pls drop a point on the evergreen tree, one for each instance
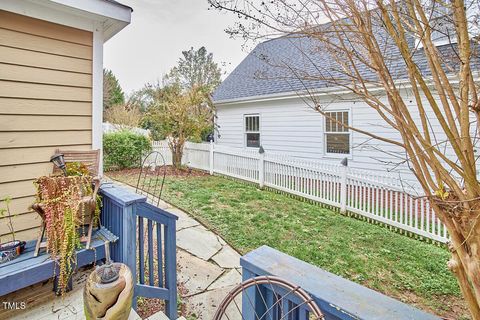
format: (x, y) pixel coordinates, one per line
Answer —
(112, 91)
(196, 69)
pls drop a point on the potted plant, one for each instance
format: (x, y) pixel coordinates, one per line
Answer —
(11, 249)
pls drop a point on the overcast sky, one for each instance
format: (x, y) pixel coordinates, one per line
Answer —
(160, 29)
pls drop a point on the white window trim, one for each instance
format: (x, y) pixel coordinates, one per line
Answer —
(350, 133)
(437, 43)
(245, 129)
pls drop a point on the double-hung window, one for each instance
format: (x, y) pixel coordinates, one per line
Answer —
(337, 136)
(252, 130)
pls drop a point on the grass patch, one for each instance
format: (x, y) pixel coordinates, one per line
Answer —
(404, 268)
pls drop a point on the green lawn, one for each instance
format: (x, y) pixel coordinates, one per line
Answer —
(407, 269)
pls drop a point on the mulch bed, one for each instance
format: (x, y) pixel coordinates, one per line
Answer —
(147, 307)
(169, 171)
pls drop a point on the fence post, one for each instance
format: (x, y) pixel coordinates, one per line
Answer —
(343, 185)
(261, 167)
(185, 154)
(211, 157)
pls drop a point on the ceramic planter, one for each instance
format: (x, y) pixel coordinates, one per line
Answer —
(109, 301)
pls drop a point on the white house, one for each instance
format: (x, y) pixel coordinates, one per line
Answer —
(262, 104)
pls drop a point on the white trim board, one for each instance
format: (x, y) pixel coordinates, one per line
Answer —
(326, 92)
(97, 92)
(76, 14)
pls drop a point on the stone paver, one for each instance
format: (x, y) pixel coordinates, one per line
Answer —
(158, 316)
(198, 241)
(204, 253)
(181, 214)
(195, 274)
(164, 205)
(208, 268)
(227, 258)
(222, 242)
(228, 279)
(186, 222)
(205, 305)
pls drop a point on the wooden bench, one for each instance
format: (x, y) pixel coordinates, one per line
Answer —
(26, 269)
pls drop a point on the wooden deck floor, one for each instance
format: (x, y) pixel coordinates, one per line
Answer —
(40, 302)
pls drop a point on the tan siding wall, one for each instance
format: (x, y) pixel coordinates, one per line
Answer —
(44, 107)
(45, 103)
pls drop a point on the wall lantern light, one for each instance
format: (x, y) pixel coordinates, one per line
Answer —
(59, 161)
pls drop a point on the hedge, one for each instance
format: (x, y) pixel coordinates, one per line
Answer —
(124, 149)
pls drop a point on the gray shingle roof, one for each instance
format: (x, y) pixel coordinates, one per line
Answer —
(281, 65)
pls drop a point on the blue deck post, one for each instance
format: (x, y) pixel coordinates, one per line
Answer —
(122, 220)
(252, 305)
(170, 268)
(129, 244)
(123, 210)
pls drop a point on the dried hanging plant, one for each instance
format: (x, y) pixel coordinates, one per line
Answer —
(61, 199)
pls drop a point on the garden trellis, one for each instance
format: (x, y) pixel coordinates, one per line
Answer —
(380, 198)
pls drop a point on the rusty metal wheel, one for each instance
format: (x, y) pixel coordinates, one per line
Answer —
(268, 298)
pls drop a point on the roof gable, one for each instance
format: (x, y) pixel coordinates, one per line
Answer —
(294, 64)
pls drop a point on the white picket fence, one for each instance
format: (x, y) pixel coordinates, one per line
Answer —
(378, 197)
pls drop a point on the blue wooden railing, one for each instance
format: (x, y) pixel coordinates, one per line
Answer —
(147, 243)
(337, 297)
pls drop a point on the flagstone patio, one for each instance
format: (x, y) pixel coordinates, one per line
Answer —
(208, 268)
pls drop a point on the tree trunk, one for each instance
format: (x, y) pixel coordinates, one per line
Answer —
(464, 231)
(177, 154)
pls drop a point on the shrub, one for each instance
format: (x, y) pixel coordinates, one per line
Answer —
(124, 115)
(124, 149)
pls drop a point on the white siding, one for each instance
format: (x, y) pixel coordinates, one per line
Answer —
(291, 127)
(286, 126)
